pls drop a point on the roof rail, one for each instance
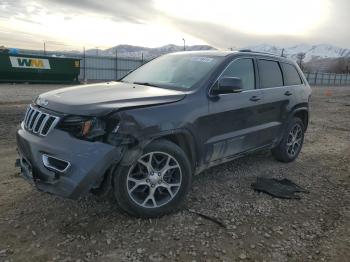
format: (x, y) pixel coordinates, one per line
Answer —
(258, 52)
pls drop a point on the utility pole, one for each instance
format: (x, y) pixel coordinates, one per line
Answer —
(44, 48)
(184, 44)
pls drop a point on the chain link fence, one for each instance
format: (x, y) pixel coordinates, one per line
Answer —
(329, 79)
(95, 68)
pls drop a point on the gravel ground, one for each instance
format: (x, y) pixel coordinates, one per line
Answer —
(36, 226)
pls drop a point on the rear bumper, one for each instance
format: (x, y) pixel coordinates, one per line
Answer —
(88, 162)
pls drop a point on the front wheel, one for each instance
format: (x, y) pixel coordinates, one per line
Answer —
(156, 183)
(291, 143)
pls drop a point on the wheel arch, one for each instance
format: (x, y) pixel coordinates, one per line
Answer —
(184, 139)
(303, 114)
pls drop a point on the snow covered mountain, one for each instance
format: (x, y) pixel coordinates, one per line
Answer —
(147, 52)
(312, 52)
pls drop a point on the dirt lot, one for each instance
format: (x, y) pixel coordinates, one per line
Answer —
(39, 227)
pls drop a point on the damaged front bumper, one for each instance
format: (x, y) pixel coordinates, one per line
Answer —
(63, 165)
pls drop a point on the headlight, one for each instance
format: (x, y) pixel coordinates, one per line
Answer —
(89, 128)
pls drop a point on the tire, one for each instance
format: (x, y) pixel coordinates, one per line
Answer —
(289, 147)
(156, 183)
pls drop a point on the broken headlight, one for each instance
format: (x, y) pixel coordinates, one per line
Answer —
(87, 128)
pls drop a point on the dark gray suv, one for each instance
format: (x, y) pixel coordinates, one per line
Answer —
(145, 136)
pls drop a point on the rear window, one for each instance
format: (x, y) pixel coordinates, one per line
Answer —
(270, 74)
(291, 76)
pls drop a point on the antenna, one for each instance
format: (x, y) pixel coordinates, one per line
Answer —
(282, 54)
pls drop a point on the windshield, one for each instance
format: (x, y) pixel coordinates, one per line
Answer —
(173, 70)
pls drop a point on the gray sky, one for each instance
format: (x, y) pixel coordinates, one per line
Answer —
(220, 23)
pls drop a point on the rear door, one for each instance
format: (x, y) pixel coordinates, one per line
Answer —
(277, 99)
(292, 80)
(232, 118)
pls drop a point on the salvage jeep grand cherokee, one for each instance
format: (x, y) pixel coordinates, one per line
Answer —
(145, 136)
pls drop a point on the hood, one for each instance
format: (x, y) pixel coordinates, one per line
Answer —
(103, 98)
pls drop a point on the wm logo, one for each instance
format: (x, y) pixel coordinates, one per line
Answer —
(26, 62)
(30, 62)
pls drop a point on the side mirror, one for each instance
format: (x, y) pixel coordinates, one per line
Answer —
(227, 85)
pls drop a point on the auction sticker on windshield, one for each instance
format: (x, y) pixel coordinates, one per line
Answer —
(202, 59)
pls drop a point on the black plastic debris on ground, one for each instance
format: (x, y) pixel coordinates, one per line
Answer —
(281, 188)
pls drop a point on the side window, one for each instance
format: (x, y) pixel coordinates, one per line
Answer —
(244, 69)
(270, 74)
(291, 75)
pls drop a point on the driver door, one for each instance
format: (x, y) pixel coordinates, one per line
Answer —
(234, 117)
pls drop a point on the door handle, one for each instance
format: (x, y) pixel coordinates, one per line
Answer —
(254, 98)
(287, 93)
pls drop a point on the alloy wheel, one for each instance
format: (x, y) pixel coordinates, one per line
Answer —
(294, 140)
(154, 180)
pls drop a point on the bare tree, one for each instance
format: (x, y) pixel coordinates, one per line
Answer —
(300, 58)
(342, 65)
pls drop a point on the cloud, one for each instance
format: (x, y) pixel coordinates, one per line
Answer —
(337, 30)
(20, 38)
(225, 37)
(134, 11)
(145, 12)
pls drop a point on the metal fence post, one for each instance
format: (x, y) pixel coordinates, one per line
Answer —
(116, 64)
(315, 78)
(84, 69)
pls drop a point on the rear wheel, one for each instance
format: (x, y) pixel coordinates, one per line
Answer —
(292, 142)
(156, 183)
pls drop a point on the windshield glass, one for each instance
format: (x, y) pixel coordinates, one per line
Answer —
(173, 70)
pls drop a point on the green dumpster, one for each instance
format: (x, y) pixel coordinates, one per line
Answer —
(38, 68)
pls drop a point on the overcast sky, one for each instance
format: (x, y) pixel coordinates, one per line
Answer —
(220, 23)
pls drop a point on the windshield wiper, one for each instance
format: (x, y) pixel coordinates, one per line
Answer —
(146, 84)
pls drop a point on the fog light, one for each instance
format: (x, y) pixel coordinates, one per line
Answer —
(56, 164)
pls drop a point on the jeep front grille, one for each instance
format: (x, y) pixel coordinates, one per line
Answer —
(39, 122)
